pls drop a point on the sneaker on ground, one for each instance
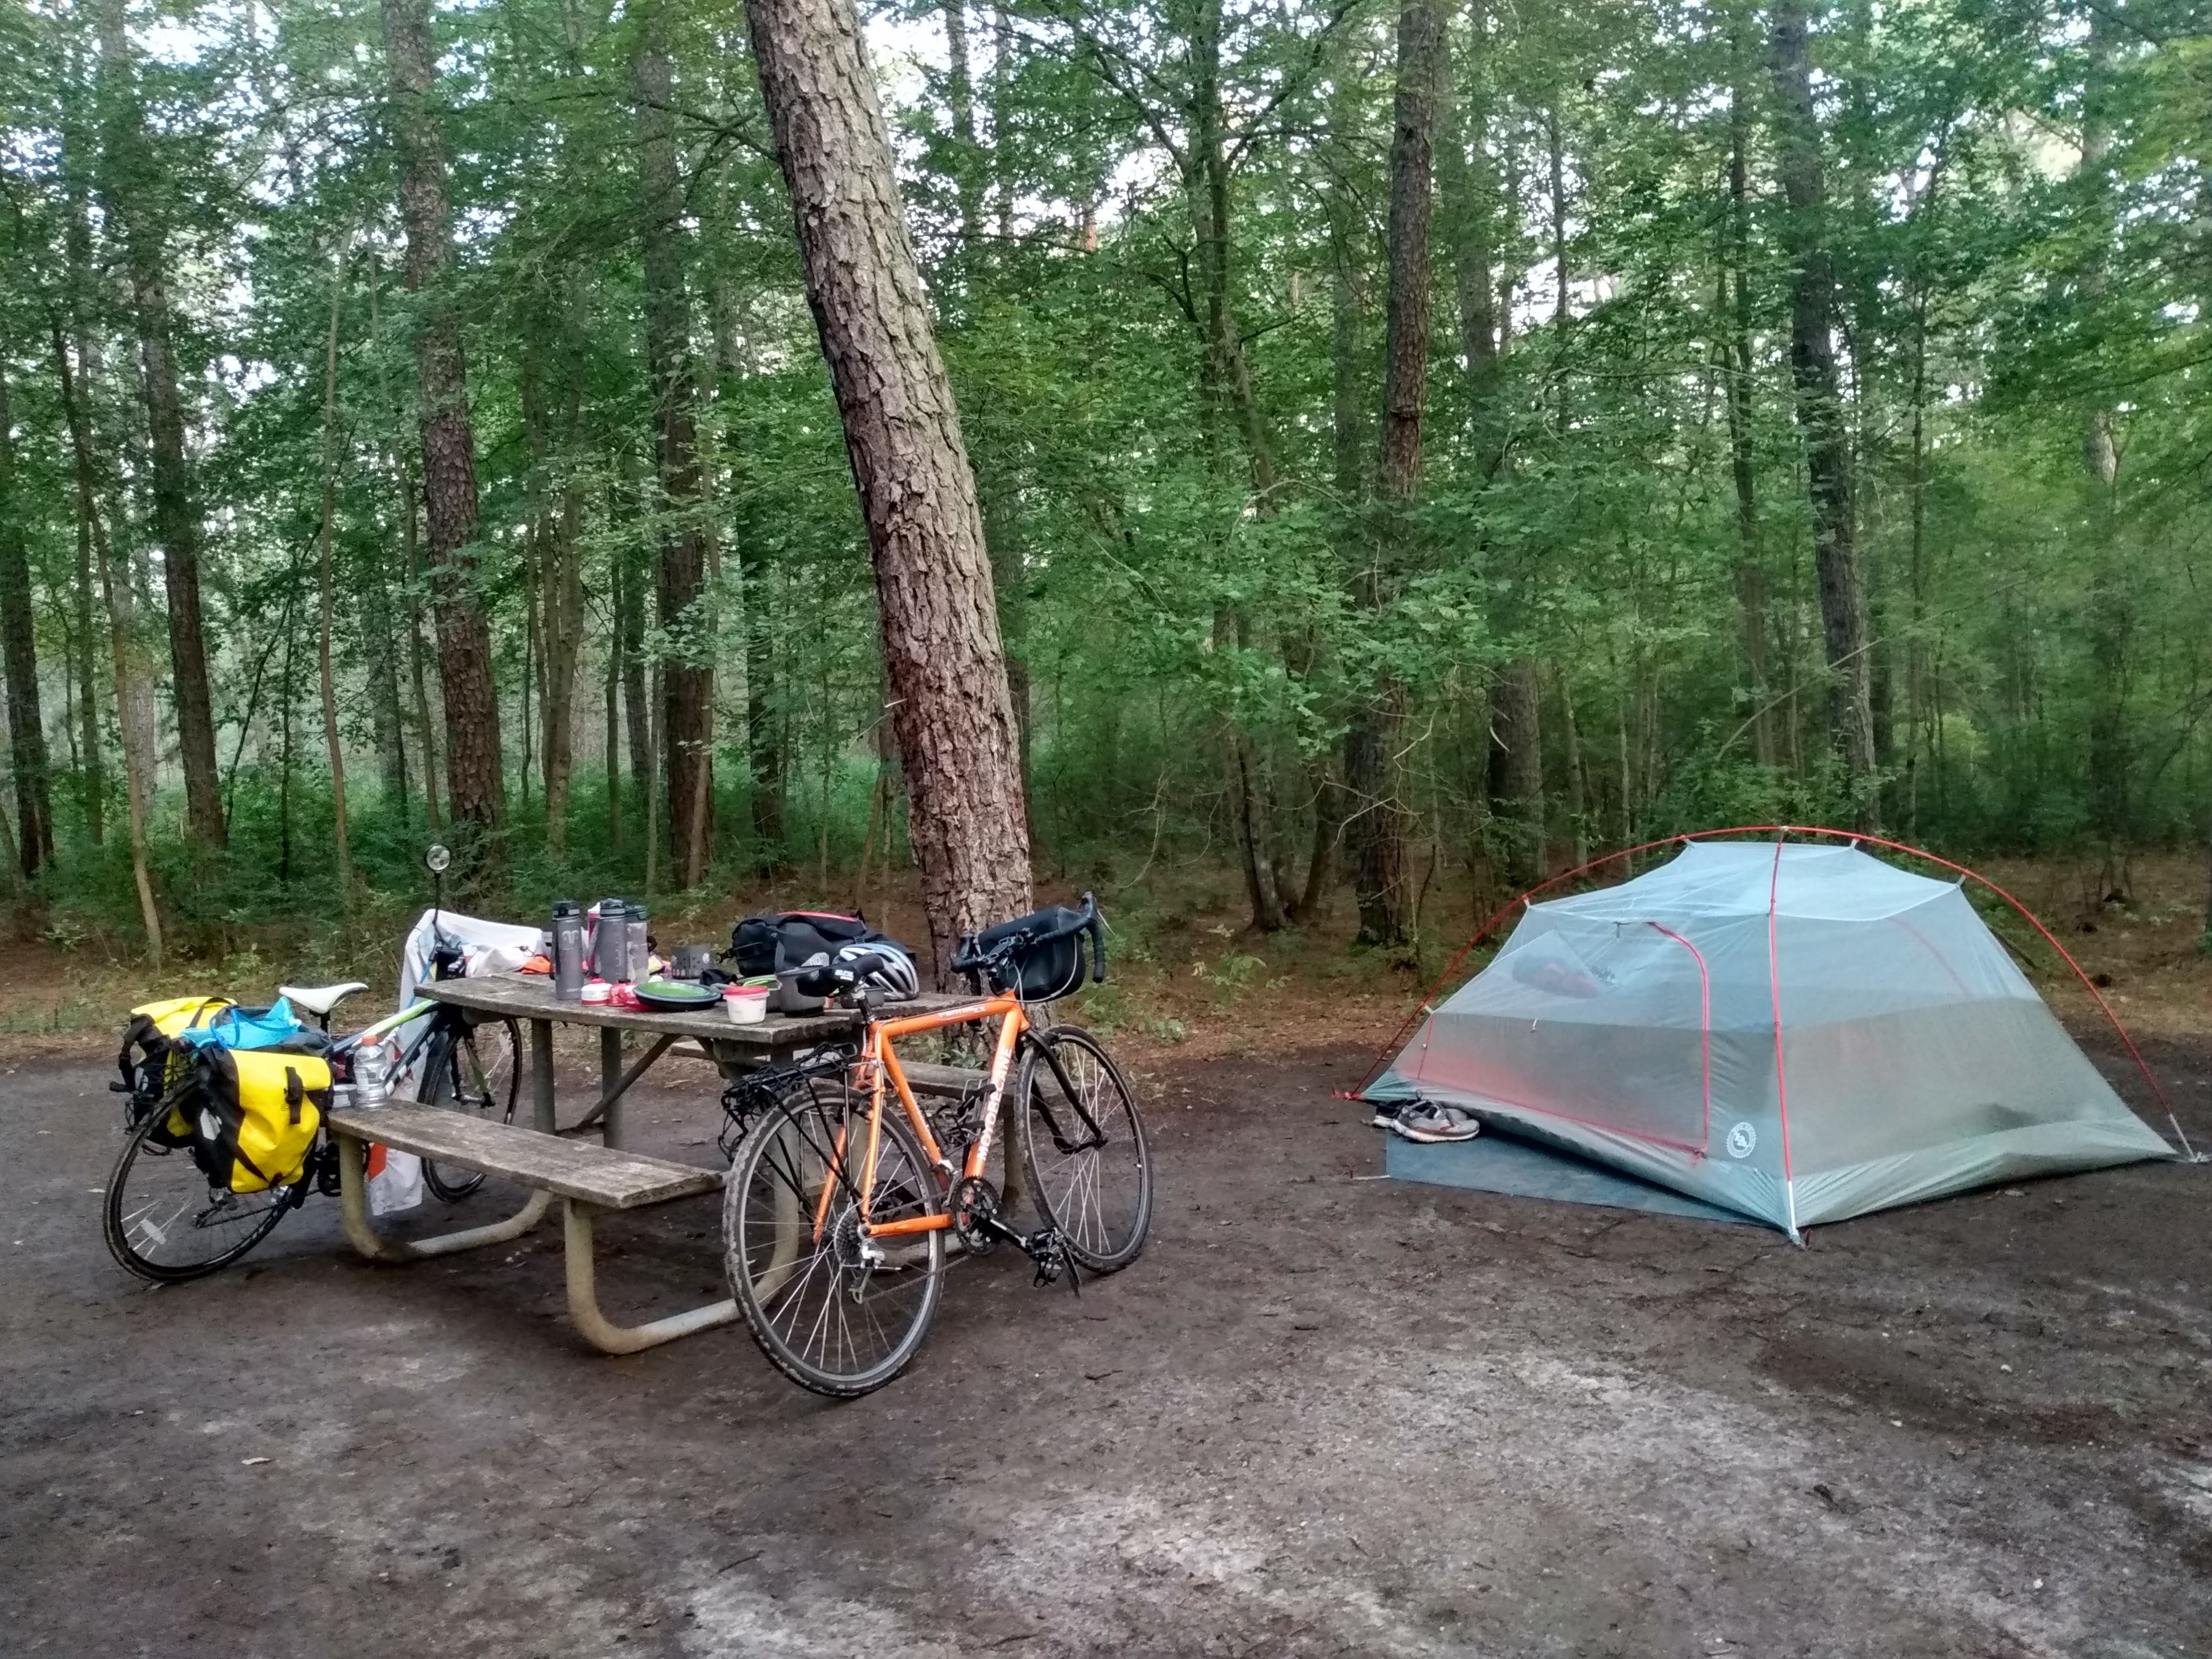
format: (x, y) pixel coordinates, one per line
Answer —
(1428, 1123)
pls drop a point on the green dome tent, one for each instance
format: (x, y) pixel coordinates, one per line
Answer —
(1797, 1033)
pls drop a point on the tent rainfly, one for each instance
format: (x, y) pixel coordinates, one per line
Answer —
(1803, 1034)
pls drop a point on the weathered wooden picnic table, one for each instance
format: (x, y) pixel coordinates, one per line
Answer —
(552, 1162)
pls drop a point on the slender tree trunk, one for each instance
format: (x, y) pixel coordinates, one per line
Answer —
(1383, 880)
(966, 157)
(449, 456)
(1002, 137)
(1733, 303)
(133, 707)
(2109, 612)
(1820, 413)
(26, 730)
(77, 241)
(128, 192)
(1464, 192)
(323, 585)
(951, 713)
(629, 598)
(680, 587)
(1516, 770)
(409, 544)
(765, 745)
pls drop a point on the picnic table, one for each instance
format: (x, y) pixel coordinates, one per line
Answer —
(552, 1161)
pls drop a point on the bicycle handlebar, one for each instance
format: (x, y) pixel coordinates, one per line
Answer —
(967, 957)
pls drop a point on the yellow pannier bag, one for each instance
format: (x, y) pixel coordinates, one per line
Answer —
(267, 1105)
(153, 1062)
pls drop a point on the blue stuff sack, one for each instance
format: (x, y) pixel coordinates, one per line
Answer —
(247, 1029)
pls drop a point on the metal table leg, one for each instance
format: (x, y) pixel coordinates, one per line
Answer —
(361, 1231)
(595, 1326)
(611, 1070)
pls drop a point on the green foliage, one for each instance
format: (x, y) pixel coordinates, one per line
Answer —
(1165, 615)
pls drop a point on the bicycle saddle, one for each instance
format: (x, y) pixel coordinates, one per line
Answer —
(319, 1000)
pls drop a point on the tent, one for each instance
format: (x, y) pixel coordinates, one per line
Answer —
(1798, 1033)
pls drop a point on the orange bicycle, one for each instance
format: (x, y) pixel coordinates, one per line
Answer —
(835, 1219)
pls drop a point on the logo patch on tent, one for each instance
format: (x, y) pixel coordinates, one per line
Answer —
(1741, 1139)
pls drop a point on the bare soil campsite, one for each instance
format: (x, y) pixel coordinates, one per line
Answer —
(1322, 1413)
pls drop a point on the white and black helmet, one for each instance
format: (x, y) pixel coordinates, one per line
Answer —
(883, 966)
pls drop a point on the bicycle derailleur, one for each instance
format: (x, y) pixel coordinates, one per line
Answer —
(979, 1224)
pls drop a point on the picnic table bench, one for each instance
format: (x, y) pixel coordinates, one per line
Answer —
(551, 1162)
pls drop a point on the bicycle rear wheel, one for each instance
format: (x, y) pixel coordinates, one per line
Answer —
(165, 1221)
(833, 1311)
(1091, 1173)
(478, 1070)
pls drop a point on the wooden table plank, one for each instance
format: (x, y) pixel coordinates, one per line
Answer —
(612, 1179)
(530, 996)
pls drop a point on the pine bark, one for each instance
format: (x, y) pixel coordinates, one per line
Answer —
(1382, 876)
(475, 795)
(680, 578)
(951, 713)
(1820, 417)
(26, 731)
(128, 196)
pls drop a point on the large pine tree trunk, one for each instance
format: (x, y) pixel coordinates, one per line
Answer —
(1821, 411)
(128, 198)
(951, 713)
(687, 717)
(474, 793)
(26, 731)
(1383, 878)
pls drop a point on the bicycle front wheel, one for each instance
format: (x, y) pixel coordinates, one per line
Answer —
(166, 1222)
(1091, 1173)
(478, 1070)
(834, 1310)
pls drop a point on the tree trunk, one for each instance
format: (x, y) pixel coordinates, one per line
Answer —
(679, 586)
(410, 542)
(1464, 190)
(474, 790)
(1383, 880)
(26, 730)
(1820, 413)
(2109, 612)
(128, 199)
(1516, 770)
(765, 726)
(77, 244)
(637, 715)
(967, 157)
(133, 707)
(330, 744)
(951, 709)
(1733, 303)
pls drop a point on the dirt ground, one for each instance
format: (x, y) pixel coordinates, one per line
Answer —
(1322, 1414)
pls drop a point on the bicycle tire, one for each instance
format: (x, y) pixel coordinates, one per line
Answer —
(134, 1234)
(781, 1270)
(1099, 1196)
(458, 1070)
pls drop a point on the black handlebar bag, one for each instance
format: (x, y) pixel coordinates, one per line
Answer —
(1047, 970)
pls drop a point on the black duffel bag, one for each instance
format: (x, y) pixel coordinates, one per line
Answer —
(779, 941)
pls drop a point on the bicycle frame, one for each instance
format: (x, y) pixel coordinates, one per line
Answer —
(881, 1059)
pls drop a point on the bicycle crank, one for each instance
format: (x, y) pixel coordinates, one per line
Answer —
(977, 1224)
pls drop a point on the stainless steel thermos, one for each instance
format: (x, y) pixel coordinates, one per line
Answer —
(567, 932)
(641, 956)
